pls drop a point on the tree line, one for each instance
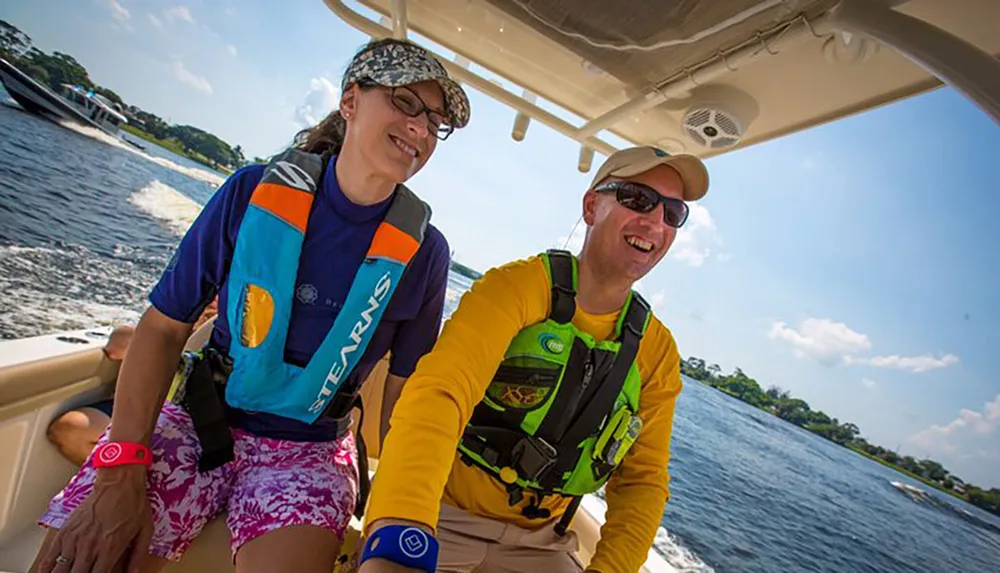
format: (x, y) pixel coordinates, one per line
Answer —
(55, 69)
(796, 411)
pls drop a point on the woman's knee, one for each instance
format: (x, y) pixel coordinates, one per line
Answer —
(76, 432)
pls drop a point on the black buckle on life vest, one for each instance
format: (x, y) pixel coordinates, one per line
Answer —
(564, 290)
(532, 457)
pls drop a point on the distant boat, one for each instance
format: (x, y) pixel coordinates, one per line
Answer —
(914, 493)
(76, 104)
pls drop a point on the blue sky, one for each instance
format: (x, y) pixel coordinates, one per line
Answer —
(851, 264)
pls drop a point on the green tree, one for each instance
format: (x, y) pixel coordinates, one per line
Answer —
(240, 159)
(932, 470)
(793, 410)
(62, 69)
(777, 393)
(106, 92)
(13, 42)
(694, 367)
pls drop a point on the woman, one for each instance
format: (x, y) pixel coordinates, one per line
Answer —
(305, 256)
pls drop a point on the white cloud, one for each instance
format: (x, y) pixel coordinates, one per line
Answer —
(992, 410)
(724, 257)
(232, 50)
(868, 383)
(694, 239)
(189, 79)
(812, 161)
(156, 22)
(915, 364)
(657, 298)
(179, 13)
(318, 102)
(120, 14)
(830, 342)
(821, 339)
(965, 427)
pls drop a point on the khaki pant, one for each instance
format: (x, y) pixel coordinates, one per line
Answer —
(472, 544)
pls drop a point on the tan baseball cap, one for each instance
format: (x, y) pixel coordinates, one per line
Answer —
(635, 160)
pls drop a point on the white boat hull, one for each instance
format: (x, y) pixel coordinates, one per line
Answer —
(44, 376)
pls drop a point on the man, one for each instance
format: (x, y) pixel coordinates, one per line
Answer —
(551, 378)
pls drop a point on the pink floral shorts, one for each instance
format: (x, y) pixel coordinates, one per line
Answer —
(269, 485)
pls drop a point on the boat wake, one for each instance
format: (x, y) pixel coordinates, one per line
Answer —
(168, 205)
(925, 497)
(669, 547)
(69, 287)
(202, 175)
(679, 557)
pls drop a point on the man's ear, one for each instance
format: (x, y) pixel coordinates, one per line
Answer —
(589, 207)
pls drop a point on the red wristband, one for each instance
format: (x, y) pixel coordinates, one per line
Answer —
(121, 453)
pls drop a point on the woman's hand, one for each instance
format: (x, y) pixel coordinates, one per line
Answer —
(115, 520)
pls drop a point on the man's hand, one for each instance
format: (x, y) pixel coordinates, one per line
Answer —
(376, 565)
(384, 566)
(118, 343)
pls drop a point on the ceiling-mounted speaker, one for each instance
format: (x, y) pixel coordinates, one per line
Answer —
(713, 126)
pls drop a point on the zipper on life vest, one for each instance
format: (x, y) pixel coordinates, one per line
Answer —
(527, 375)
(573, 406)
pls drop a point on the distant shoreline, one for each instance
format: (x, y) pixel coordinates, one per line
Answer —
(174, 148)
(909, 474)
(465, 271)
(781, 404)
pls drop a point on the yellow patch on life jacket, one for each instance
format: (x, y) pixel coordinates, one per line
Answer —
(258, 312)
(518, 396)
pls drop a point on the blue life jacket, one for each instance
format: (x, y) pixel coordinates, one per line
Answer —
(262, 284)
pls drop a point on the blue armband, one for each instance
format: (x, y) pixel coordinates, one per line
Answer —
(403, 544)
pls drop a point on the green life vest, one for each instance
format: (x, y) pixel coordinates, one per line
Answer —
(560, 412)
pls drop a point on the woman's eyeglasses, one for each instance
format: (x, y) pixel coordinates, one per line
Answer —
(410, 103)
(643, 199)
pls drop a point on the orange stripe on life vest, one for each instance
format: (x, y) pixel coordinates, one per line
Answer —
(392, 243)
(290, 205)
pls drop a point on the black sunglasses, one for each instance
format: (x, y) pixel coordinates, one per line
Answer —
(410, 103)
(643, 199)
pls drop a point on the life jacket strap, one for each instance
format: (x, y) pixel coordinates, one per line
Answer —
(364, 482)
(567, 517)
(204, 404)
(563, 288)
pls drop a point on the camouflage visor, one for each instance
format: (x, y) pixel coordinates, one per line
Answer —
(404, 63)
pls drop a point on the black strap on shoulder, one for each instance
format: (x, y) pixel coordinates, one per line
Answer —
(563, 291)
(635, 316)
(364, 483)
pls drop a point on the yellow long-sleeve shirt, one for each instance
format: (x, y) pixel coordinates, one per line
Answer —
(419, 466)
